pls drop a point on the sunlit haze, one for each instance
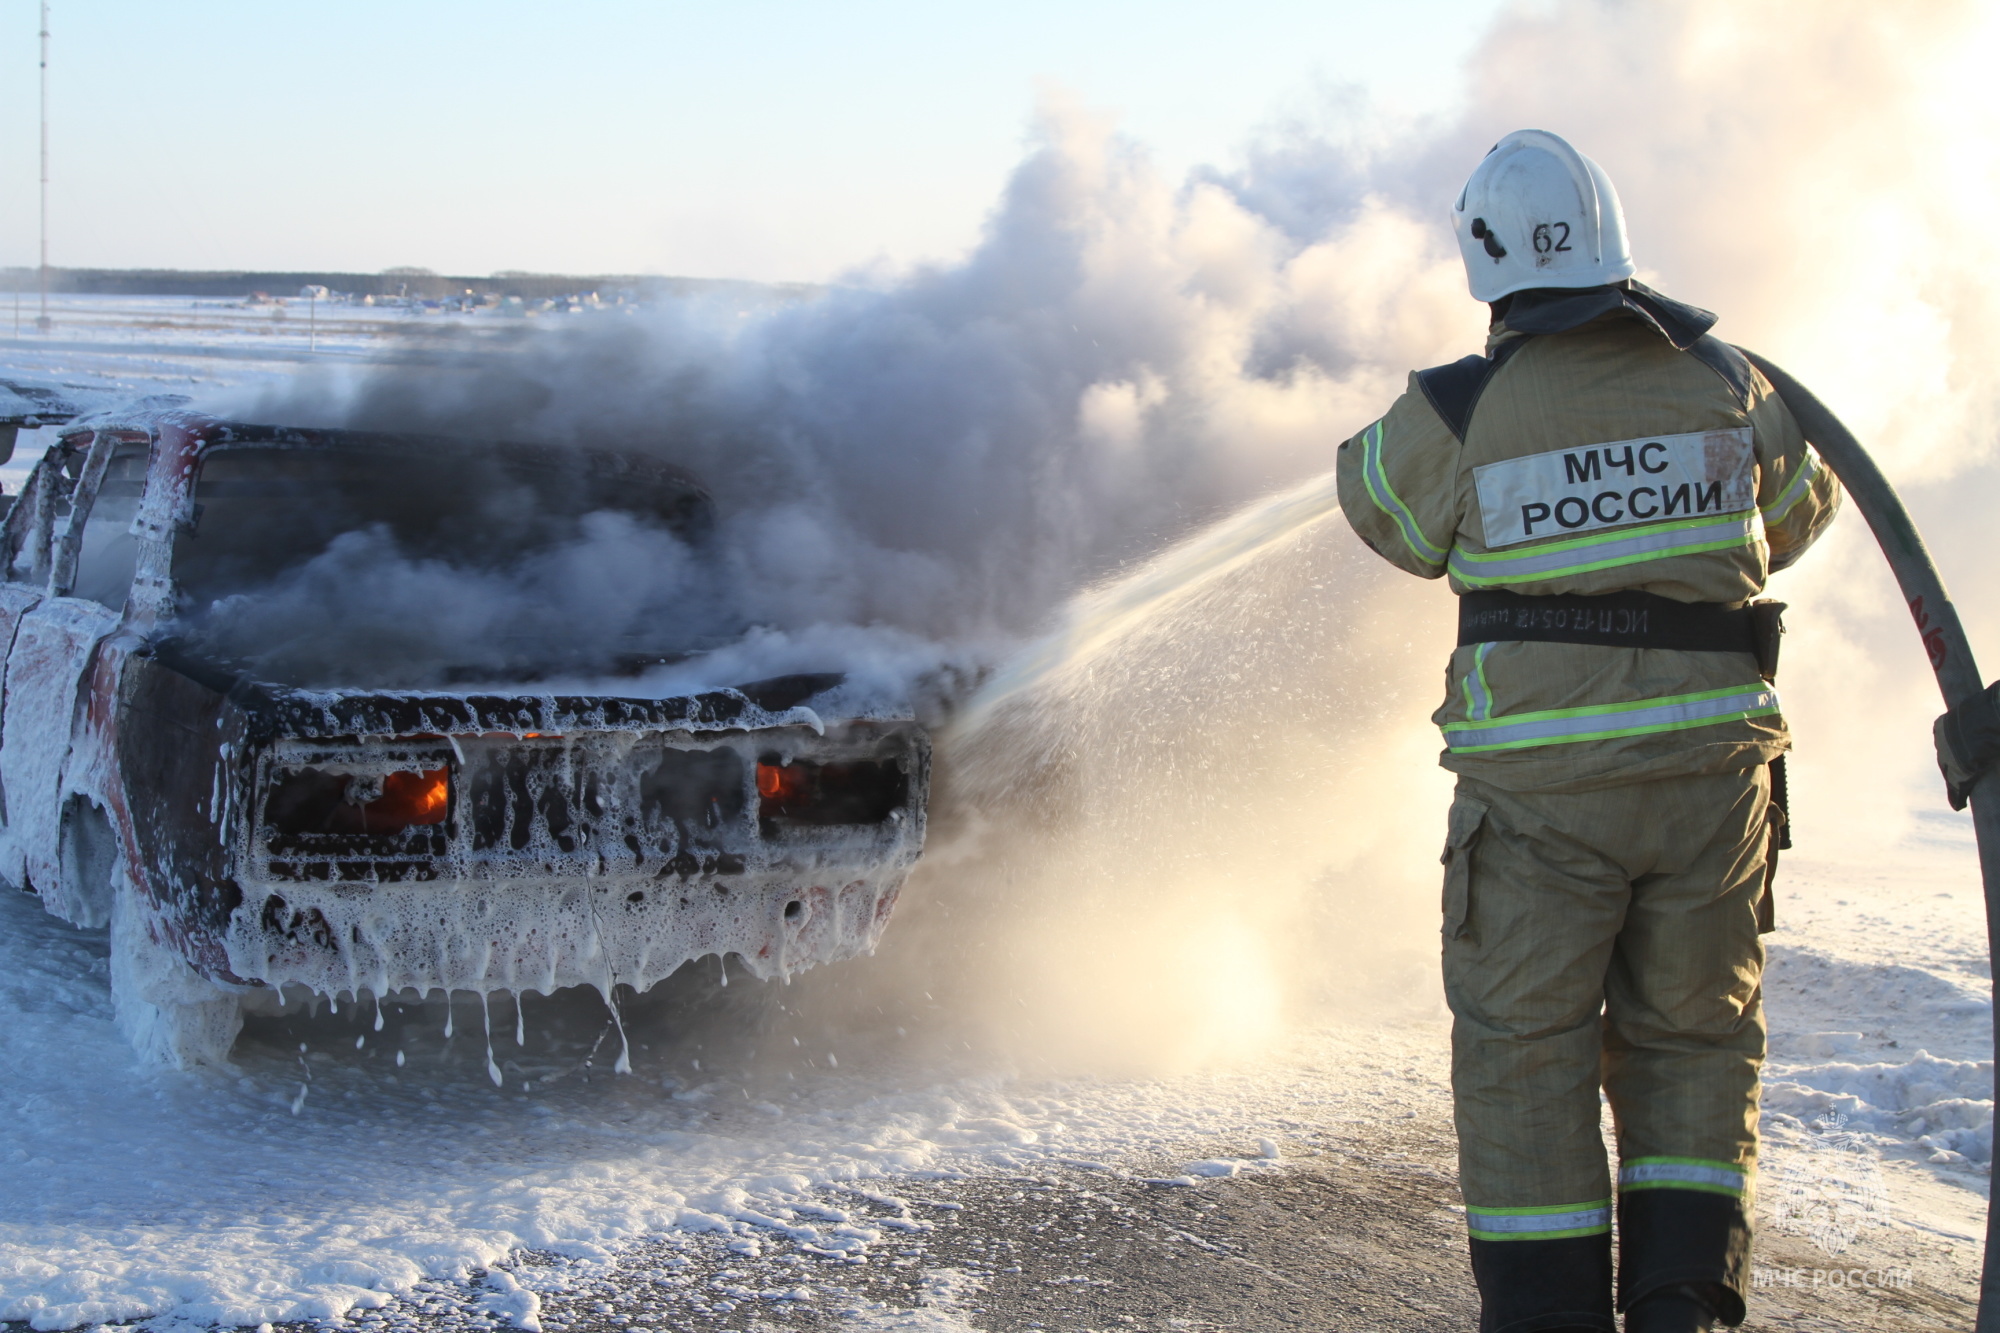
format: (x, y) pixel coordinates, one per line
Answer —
(772, 139)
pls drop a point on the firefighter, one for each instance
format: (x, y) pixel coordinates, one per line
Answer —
(1606, 489)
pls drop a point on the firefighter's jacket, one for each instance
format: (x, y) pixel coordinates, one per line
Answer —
(1603, 444)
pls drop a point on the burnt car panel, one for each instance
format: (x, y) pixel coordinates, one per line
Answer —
(259, 834)
(48, 664)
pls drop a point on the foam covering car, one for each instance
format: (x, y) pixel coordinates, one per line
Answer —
(244, 838)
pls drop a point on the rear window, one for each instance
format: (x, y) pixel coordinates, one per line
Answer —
(260, 512)
(410, 564)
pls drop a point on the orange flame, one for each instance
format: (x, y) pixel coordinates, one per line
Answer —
(411, 798)
(778, 783)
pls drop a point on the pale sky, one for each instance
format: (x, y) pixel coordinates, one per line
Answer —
(765, 139)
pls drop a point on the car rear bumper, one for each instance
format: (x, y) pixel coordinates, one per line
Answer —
(543, 933)
(608, 854)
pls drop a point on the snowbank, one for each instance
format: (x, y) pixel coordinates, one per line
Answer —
(1944, 1105)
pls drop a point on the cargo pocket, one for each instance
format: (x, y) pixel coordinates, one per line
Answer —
(1467, 818)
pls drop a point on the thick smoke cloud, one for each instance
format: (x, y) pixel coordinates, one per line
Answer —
(1216, 809)
(953, 452)
(404, 621)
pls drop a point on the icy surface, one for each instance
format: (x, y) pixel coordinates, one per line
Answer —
(1883, 978)
(1878, 1094)
(319, 1181)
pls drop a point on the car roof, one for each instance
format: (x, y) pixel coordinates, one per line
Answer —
(208, 434)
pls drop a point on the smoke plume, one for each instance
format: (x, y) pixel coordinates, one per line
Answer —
(1211, 818)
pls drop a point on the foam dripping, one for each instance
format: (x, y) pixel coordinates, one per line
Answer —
(486, 1011)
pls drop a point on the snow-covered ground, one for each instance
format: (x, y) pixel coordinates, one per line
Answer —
(1878, 1096)
(323, 1179)
(335, 1171)
(123, 347)
(155, 342)
(319, 1180)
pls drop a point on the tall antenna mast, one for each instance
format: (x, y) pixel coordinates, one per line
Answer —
(43, 322)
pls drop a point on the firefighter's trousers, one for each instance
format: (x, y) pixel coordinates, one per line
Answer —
(1606, 938)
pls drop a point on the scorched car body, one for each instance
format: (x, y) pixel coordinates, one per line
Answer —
(240, 835)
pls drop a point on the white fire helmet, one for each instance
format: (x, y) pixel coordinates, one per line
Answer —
(1537, 213)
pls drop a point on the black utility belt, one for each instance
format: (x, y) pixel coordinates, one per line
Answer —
(1625, 620)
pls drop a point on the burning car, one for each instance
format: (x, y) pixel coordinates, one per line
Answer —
(245, 826)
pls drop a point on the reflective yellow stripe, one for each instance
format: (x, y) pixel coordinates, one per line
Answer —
(1682, 1173)
(1558, 726)
(1478, 694)
(1376, 476)
(1556, 1223)
(1629, 546)
(1795, 491)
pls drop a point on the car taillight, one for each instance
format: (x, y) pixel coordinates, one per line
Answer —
(783, 784)
(804, 792)
(310, 800)
(410, 798)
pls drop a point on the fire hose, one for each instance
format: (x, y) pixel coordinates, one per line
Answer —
(1968, 735)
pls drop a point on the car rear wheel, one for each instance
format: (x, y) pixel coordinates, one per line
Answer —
(171, 1015)
(88, 859)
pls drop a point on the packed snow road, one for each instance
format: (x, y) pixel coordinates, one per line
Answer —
(350, 1177)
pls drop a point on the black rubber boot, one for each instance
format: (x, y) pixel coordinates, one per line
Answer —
(1544, 1286)
(1683, 1255)
(1676, 1309)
